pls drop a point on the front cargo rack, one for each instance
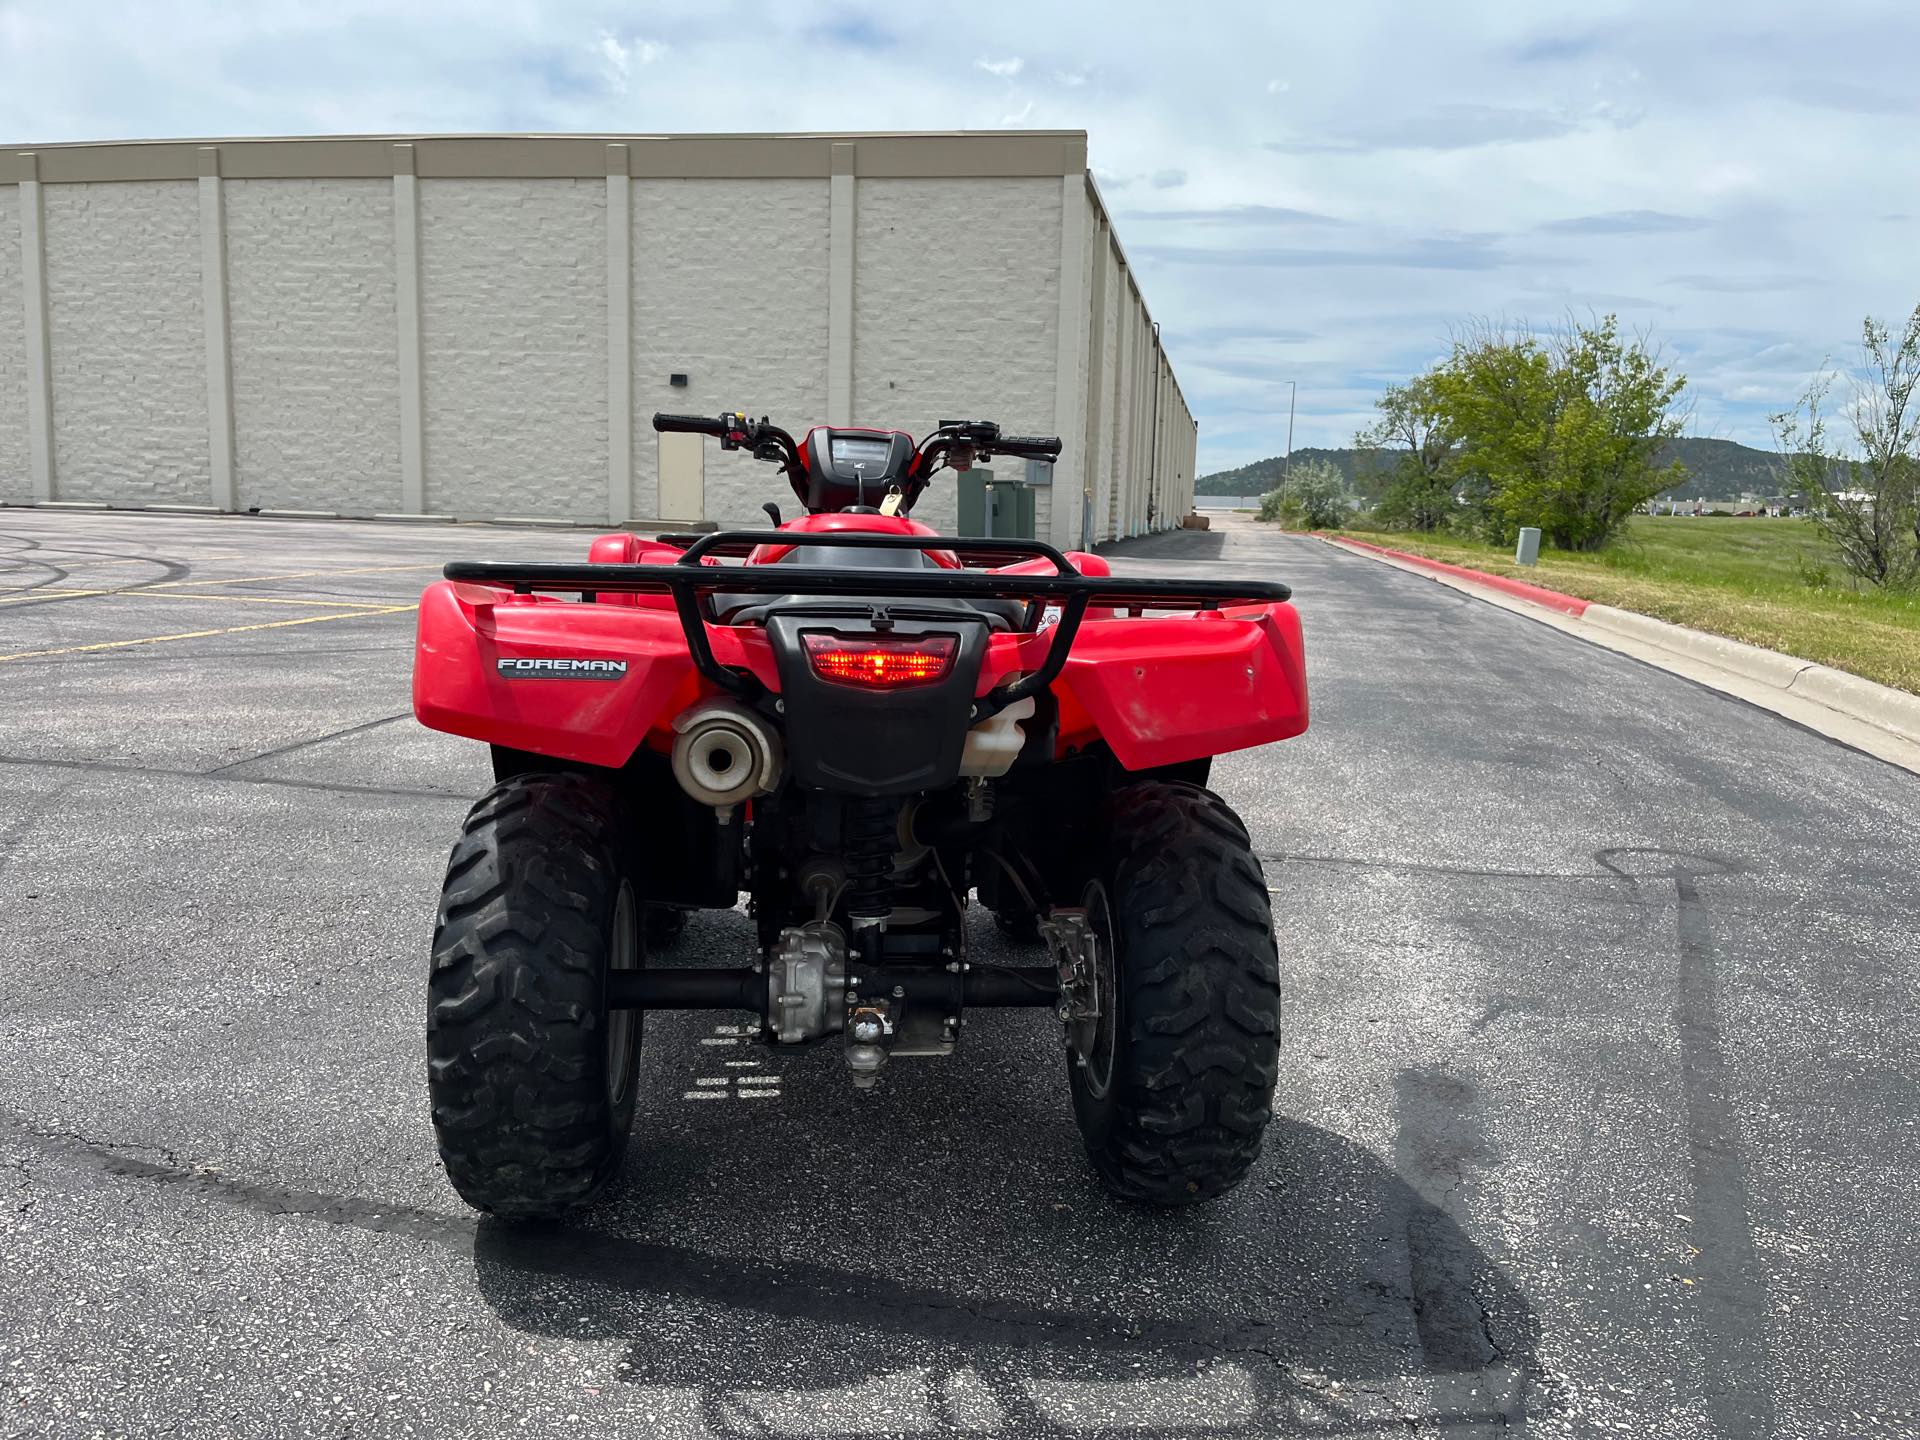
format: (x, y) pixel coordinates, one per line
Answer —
(691, 580)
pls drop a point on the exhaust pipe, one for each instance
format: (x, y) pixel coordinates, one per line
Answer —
(725, 753)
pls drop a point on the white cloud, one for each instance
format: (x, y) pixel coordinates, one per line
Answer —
(620, 56)
(1721, 171)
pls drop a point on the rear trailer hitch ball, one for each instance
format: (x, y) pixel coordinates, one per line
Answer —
(868, 1030)
(725, 753)
(865, 1062)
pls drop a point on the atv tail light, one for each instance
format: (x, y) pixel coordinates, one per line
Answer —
(879, 664)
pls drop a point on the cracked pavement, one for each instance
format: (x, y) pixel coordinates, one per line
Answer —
(1598, 1110)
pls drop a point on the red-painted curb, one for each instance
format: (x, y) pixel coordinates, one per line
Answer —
(1552, 599)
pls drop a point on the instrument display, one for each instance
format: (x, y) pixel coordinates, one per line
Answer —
(860, 450)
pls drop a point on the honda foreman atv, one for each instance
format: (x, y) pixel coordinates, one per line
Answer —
(859, 723)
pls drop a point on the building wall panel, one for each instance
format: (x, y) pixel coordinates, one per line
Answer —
(955, 310)
(513, 313)
(1103, 458)
(310, 284)
(16, 483)
(127, 342)
(730, 290)
(1123, 409)
(966, 268)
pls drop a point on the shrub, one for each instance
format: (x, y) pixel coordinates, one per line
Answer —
(1315, 498)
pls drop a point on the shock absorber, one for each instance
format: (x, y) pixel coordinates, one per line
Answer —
(870, 837)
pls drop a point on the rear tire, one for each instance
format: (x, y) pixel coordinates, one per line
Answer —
(531, 1076)
(1175, 1102)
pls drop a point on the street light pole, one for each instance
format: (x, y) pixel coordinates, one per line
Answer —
(1286, 468)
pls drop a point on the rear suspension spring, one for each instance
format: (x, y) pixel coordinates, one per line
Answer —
(871, 836)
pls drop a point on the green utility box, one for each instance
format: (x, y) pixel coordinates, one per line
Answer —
(1001, 508)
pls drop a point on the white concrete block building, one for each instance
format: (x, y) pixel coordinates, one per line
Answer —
(480, 327)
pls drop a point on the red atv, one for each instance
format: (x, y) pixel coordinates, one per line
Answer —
(858, 726)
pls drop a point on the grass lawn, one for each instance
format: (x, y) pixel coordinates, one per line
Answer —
(1769, 582)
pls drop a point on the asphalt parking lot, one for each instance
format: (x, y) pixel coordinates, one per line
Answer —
(1598, 1115)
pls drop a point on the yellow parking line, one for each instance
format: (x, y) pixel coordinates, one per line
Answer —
(48, 592)
(204, 634)
(271, 600)
(146, 592)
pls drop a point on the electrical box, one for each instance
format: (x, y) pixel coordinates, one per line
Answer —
(997, 508)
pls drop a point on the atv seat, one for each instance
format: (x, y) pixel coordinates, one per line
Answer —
(734, 609)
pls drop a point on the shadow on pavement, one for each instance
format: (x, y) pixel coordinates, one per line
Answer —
(1167, 545)
(1352, 1306)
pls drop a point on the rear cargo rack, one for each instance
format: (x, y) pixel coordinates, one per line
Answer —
(974, 552)
(691, 579)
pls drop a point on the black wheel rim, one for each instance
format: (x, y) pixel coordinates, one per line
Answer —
(623, 1026)
(1097, 1058)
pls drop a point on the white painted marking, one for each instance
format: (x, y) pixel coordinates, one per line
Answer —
(728, 1040)
(767, 1093)
(706, 1095)
(711, 1080)
(743, 1062)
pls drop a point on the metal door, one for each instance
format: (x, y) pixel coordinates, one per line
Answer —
(683, 477)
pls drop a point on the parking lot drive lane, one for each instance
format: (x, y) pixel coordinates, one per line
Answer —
(1597, 1111)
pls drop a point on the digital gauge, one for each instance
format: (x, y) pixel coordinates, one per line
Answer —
(854, 450)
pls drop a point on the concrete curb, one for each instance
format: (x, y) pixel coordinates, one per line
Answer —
(1803, 690)
(1769, 667)
(1519, 589)
(1876, 704)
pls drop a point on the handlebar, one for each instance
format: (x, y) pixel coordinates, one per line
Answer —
(983, 437)
(689, 424)
(1039, 447)
(956, 442)
(735, 431)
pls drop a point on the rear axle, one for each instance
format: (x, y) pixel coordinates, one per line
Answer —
(740, 988)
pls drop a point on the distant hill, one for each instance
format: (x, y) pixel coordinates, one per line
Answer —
(1263, 475)
(1716, 470)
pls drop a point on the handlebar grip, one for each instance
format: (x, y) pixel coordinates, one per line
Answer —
(1041, 447)
(688, 424)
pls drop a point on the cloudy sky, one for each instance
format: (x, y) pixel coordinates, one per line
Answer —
(1310, 194)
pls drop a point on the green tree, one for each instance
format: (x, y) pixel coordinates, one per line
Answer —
(1867, 502)
(1559, 432)
(1314, 498)
(1411, 446)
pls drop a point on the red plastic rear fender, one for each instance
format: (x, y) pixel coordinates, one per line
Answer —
(1164, 689)
(458, 687)
(1158, 690)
